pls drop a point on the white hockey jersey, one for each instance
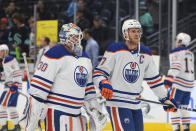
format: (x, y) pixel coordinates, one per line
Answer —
(182, 68)
(64, 81)
(126, 70)
(12, 72)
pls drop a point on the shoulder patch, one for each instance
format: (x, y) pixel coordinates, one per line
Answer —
(8, 59)
(178, 49)
(57, 52)
(145, 49)
(117, 47)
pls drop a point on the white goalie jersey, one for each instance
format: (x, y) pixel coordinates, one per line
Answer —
(182, 68)
(126, 70)
(64, 85)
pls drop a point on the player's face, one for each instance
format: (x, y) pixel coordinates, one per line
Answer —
(2, 54)
(134, 35)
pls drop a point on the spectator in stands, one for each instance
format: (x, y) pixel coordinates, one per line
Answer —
(145, 19)
(4, 31)
(18, 36)
(43, 13)
(81, 21)
(92, 47)
(11, 8)
(44, 48)
(99, 32)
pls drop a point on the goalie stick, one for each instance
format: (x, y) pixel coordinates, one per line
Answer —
(155, 102)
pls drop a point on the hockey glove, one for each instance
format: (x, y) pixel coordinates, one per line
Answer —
(168, 81)
(106, 89)
(171, 106)
(14, 88)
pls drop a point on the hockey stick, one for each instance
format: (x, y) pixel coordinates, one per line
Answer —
(155, 102)
(26, 66)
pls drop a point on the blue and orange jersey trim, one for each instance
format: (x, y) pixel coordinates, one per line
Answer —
(8, 59)
(59, 51)
(116, 47)
(178, 49)
(154, 82)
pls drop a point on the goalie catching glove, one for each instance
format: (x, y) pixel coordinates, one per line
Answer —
(97, 119)
(32, 113)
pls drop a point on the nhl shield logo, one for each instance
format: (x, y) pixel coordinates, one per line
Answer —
(131, 72)
(80, 76)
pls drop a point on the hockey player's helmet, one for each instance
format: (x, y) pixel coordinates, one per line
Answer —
(71, 34)
(184, 38)
(128, 24)
(4, 47)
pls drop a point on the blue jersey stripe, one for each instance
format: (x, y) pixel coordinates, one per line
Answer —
(160, 84)
(65, 105)
(128, 93)
(175, 68)
(41, 78)
(102, 71)
(124, 101)
(184, 79)
(152, 78)
(183, 85)
(66, 96)
(90, 92)
(89, 84)
(40, 88)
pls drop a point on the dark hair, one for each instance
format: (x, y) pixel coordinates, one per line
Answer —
(18, 17)
(88, 31)
(47, 40)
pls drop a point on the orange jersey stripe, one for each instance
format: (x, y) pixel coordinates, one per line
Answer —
(117, 128)
(41, 83)
(90, 88)
(70, 124)
(190, 84)
(81, 122)
(59, 99)
(154, 81)
(7, 96)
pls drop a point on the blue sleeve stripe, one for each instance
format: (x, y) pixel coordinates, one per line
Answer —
(156, 85)
(176, 64)
(90, 92)
(124, 101)
(40, 88)
(183, 85)
(175, 118)
(89, 84)
(66, 96)
(41, 78)
(98, 76)
(128, 93)
(65, 105)
(175, 69)
(17, 76)
(184, 79)
(186, 117)
(102, 71)
(152, 77)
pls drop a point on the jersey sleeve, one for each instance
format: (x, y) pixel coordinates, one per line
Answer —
(154, 79)
(90, 88)
(44, 76)
(104, 69)
(175, 64)
(16, 73)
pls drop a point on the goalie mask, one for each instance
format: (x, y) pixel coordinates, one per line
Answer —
(71, 35)
(128, 24)
(183, 39)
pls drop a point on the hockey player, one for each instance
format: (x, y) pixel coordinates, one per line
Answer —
(61, 85)
(180, 80)
(13, 83)
(119, 77)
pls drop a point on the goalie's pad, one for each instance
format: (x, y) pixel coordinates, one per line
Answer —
(32, 113)
(97, 117)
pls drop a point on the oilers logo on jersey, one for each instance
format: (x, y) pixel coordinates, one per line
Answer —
(131, 72)
(80, 76)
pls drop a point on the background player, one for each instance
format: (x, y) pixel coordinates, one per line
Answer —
(119, 76)
(180, 80)
(62, 84)
(13, 82)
